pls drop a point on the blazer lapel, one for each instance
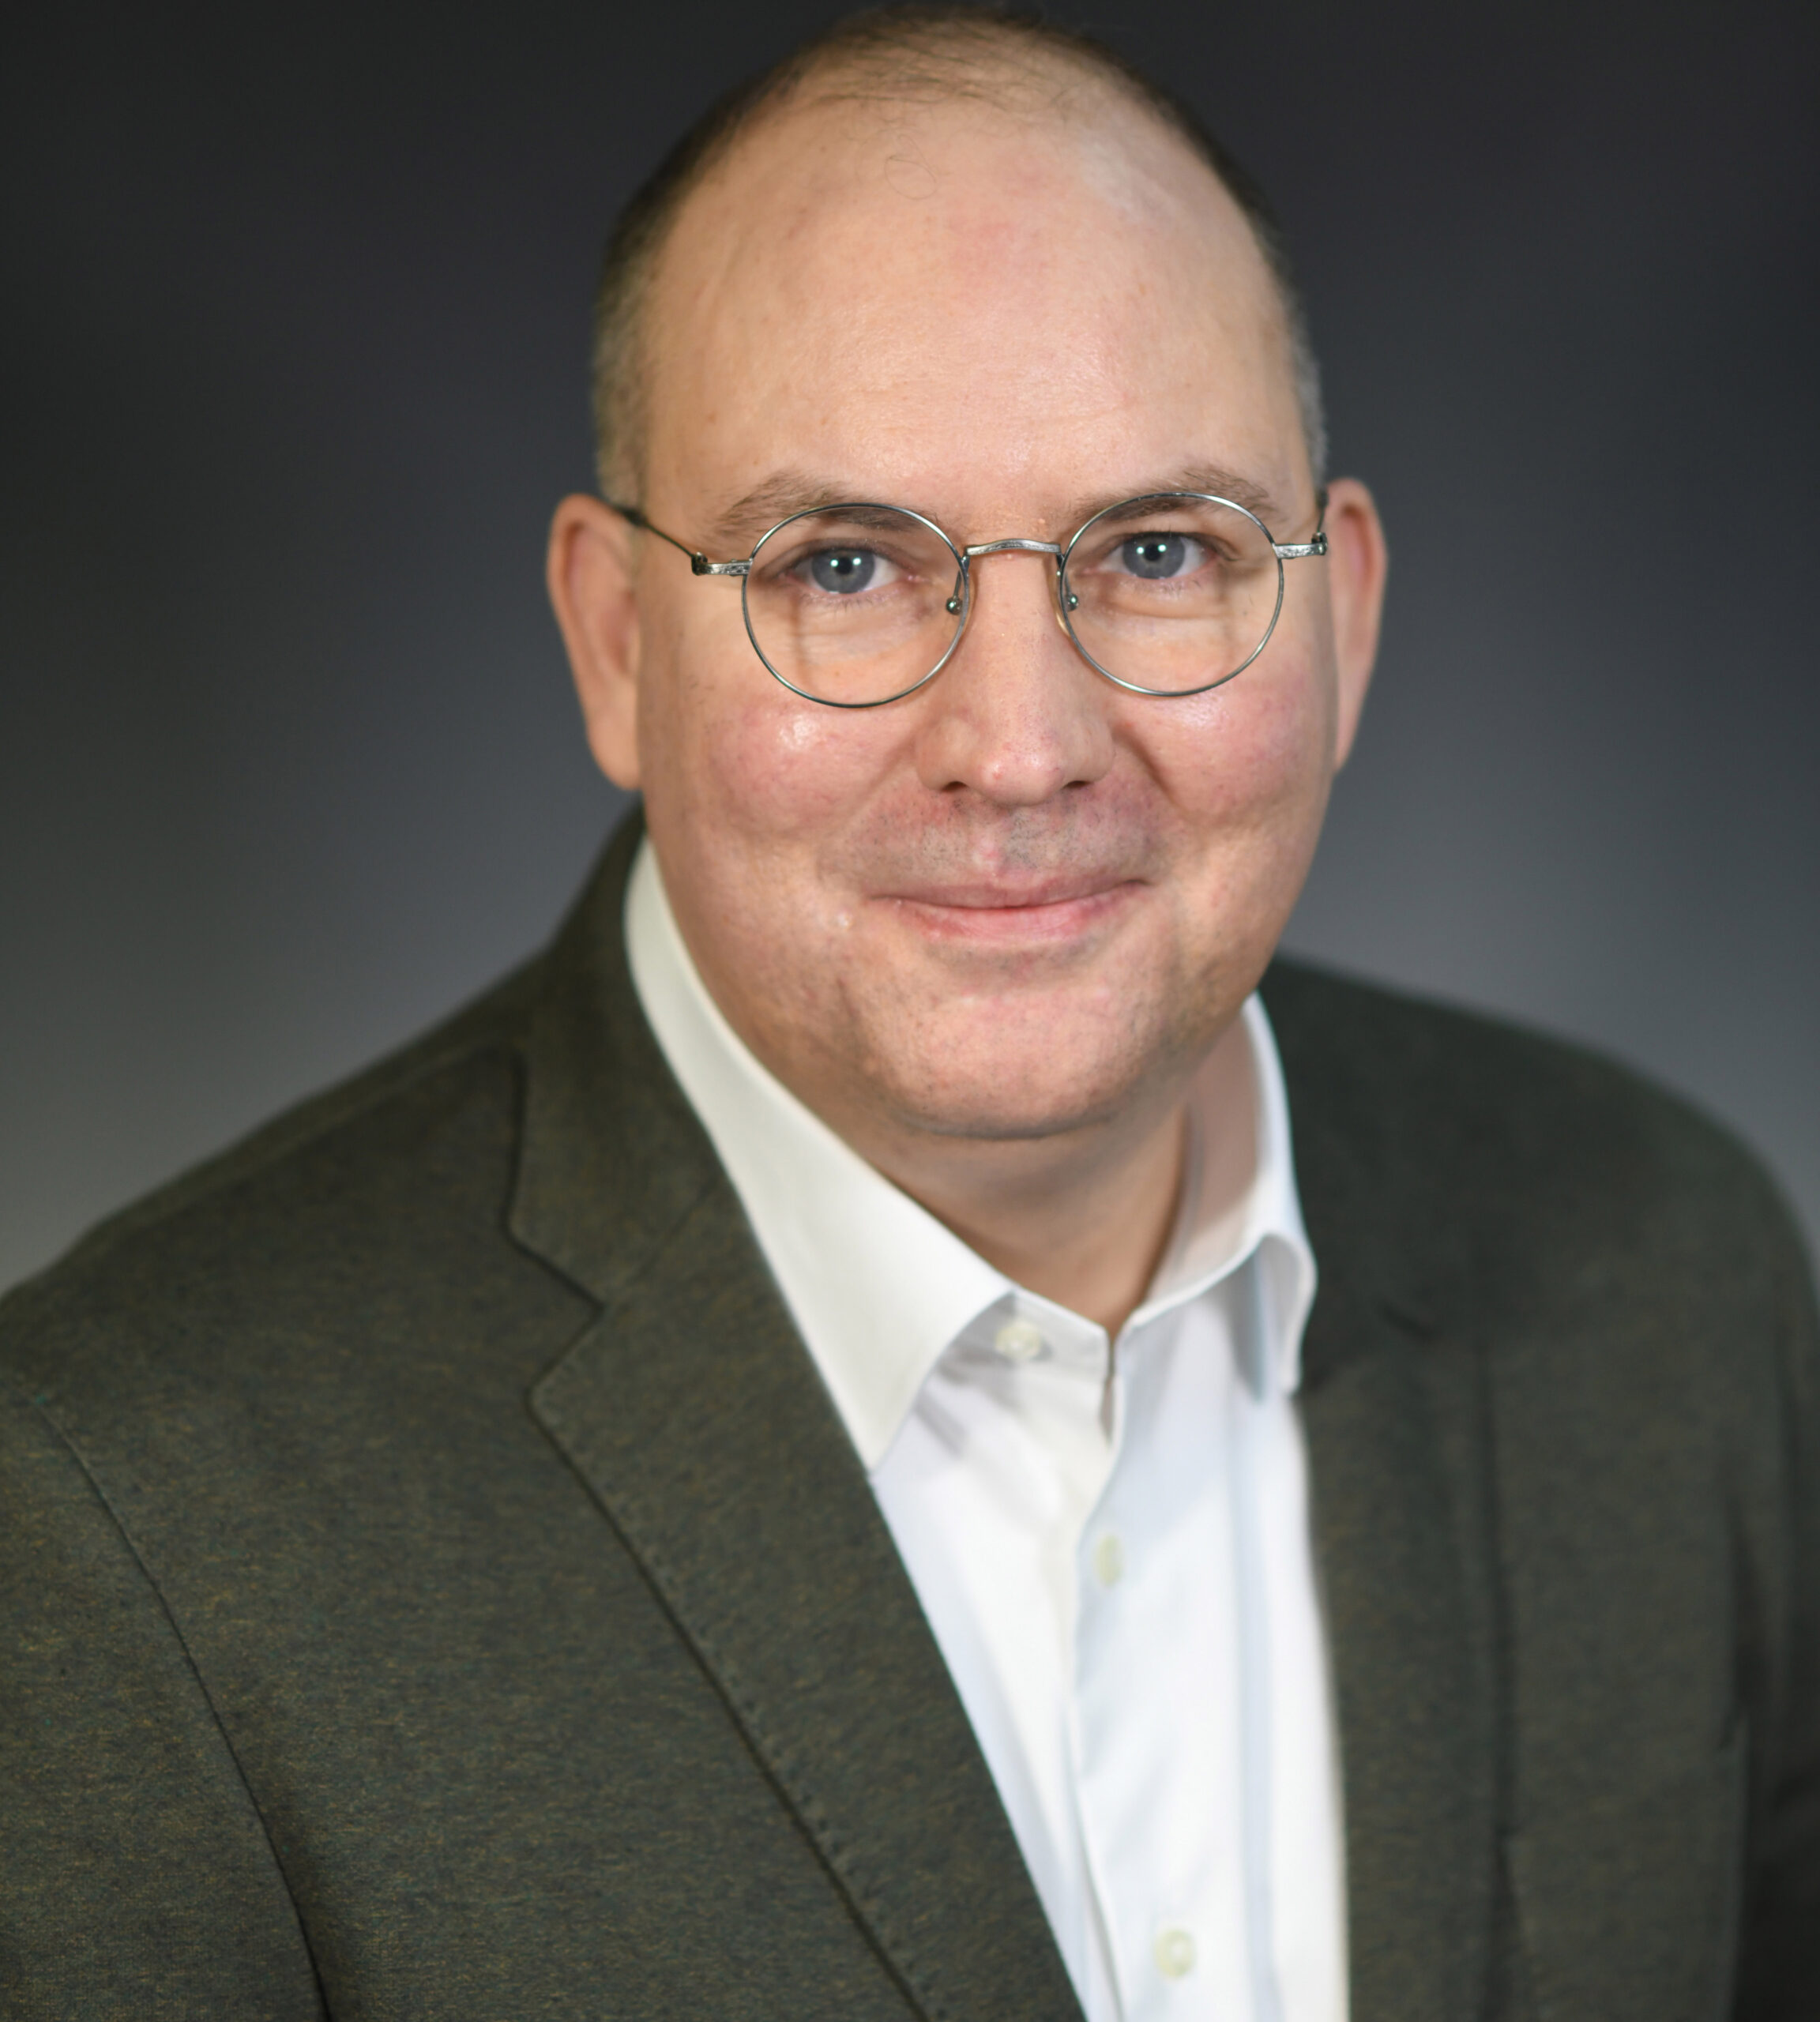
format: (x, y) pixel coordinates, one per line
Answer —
(695, 1414)
(1395, 1409)
(1403, 1540)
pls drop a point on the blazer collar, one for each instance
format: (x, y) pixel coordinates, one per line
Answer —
(691, 1410)
(611, 1159)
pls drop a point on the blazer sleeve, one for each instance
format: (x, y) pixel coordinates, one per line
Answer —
(1779, 1979)
(136, 1878)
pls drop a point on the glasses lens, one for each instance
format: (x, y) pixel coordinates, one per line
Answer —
(854, 605)
(1172, 594)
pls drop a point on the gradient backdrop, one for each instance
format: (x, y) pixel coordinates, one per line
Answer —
(294, 371)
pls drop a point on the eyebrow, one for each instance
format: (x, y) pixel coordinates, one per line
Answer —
(1215, 479)
(787, 492)
(777, 498)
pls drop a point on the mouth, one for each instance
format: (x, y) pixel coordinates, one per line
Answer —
(994, 913)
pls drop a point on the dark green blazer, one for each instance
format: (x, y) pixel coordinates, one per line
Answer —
(437, 1585)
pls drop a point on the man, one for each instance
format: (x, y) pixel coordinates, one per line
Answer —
(791, 1461)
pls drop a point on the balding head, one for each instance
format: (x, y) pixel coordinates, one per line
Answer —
(996, 288)
(887, 63)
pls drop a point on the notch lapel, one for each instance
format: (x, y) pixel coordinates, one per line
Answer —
(693, 1413)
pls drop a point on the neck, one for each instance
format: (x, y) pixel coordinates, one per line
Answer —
(1084, 1222)
(1082, 1217)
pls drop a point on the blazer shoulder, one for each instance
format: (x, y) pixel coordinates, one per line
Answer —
(1490, 1122)
(361, 1181)
(490, 1022)
(382, 1207)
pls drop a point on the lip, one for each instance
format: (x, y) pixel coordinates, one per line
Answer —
(1049, 910)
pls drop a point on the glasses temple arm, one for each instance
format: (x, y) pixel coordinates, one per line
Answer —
(1299, 551)
(698, 562)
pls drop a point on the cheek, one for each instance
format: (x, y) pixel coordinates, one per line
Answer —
(784, 767)
(727, 748)
(1252, 753)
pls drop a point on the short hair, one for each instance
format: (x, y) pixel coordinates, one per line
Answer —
(924, 51)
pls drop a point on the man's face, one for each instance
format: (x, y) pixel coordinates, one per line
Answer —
(1020, 901)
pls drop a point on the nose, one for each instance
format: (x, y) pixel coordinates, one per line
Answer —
(1017, 716)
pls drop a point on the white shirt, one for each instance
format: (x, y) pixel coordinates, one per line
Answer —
(1109, 1540)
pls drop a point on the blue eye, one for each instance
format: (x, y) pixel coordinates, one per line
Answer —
(1154, 556)
(843, 570)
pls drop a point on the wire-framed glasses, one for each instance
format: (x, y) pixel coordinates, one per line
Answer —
(857, 605)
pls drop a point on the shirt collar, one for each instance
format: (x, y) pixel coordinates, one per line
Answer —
(878, 1287)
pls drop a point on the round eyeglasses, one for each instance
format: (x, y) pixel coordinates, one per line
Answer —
(856, 606)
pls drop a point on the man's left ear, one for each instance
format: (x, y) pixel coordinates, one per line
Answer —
(589, 572)
(1358, 561)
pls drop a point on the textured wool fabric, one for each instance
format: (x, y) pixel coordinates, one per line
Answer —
(436, 1584)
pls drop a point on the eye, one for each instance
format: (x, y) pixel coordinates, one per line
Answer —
(1157, 556)
(843, 571)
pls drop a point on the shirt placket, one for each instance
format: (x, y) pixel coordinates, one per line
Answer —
(1164, 1771)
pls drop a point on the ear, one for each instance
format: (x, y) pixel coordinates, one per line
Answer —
(593, 588)
(1358, 561)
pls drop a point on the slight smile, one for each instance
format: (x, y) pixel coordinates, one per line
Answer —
(1057, 910)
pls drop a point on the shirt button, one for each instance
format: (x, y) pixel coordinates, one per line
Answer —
(1018, 1341)
(1109, 1559)
(1174, 1952)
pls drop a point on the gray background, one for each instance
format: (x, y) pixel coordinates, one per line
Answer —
(293, 372)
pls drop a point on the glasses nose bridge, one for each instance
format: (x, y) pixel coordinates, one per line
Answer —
(1015, 545)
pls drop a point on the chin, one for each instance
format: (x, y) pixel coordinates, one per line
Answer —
(1067, 1047)
(1013, 1092)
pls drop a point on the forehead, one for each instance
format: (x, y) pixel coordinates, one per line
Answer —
(966, 302)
